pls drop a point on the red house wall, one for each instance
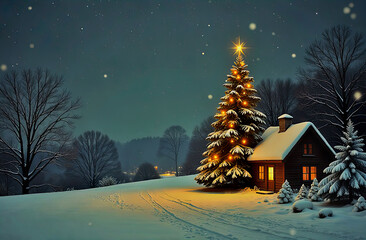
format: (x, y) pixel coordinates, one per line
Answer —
(279, 174)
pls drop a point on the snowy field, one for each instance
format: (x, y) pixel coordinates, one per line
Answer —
(170, 208)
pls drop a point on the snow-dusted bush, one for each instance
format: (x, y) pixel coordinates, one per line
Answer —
(347, 174)
(325, 212)
(285, 194)
(300, 205)
(313, 192)
(360, 205)
(303, 193)
(107, 181)
(70, 189)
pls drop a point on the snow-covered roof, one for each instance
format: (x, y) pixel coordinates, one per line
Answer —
(276, 145)
(285, 116)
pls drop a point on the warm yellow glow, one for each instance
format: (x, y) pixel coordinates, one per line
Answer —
(242, 64)
(249, 86)
(245, 103)
(230, 157)
(223, 112)
(238, 77)
(239, 47)
(216, 157)
(270, 173)
(156, 167)
(232, 140)
(244, 141)
(235, 72)
(231, 100)
(231, 125)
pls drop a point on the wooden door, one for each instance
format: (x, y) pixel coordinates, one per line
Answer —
(270, 178)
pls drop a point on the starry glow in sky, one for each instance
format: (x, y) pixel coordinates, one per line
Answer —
(142, 66)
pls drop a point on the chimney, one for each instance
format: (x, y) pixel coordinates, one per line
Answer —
(284, 121)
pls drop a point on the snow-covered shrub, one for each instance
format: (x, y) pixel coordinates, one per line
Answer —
(107, 181)
(325, 212)
(300, 205)
(360, 205)
(285, 194)
(313, 192)
(347, 174)
(70, 189)
(303, 193)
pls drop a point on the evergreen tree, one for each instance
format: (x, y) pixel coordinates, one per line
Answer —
(347, 174)
(285, 195)
(236, 132)
(313, 192)
(303, 193)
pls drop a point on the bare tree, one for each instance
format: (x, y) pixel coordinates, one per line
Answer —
(171, 144)
(35, 116)
(96, 157)
(197, 145)
(277, 97)
(335, 73)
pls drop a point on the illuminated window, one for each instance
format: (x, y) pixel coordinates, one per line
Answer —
(305, 173)
(312, 173)
(310, 149)
(261, 172)
(270, 173)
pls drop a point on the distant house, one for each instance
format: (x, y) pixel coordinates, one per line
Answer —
(296, 152)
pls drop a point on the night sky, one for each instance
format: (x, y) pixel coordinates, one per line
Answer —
(142, 66)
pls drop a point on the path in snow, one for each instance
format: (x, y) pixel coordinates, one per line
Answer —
(168, 209)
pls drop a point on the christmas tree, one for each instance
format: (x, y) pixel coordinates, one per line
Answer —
(347, 174)
(237, 130)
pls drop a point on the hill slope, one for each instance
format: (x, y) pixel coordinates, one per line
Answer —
(171, 208)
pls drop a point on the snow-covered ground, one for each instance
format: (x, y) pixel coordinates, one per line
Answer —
(170, 208)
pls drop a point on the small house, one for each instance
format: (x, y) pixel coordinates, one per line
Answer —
(296, 152)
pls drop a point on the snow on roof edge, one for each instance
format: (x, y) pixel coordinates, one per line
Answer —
(323, 138)
(294, 142)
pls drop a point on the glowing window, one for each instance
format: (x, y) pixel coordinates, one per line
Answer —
(310, 149)
(261, 172)
(270, 173)
(305, 149)
(312, 173)
(305, 173)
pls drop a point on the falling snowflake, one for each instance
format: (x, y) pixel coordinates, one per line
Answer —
(357, 95)
(351, 5)
(252, 26)
(30, 8)
(293, 55)
(210, 96)
(273, 34)
(292, 231)
(105, 75)
(346, 10)
(353, 16)
(203, 53)
(31, 45)
(3, 67)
